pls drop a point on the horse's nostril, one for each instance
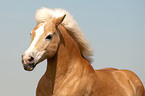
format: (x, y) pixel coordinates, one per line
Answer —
(30, 58)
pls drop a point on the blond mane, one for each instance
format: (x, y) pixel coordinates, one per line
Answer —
(70, 24)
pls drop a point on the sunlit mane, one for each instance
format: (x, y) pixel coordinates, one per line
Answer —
(70, 24)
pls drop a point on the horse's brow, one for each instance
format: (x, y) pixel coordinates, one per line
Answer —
(40, 29)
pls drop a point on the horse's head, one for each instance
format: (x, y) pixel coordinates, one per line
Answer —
(44, 43)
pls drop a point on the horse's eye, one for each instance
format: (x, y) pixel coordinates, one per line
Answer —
(49, 37)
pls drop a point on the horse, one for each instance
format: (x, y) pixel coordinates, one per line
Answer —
(58, 38)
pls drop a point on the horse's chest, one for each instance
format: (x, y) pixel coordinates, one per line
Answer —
(75, 87)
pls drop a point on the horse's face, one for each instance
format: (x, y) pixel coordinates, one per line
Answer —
(44, 43)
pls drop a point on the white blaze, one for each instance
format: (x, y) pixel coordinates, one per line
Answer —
(38, 33)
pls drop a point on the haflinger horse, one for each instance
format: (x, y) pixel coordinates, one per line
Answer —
(58, 39)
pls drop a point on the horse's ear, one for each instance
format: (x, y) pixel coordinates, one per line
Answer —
(59, 20)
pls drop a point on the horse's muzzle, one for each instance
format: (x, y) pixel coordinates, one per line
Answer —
(28, 62)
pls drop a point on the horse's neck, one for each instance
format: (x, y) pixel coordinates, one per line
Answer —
(68, 59)
(65, 67)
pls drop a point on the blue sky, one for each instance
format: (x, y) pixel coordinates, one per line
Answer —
(115, 29)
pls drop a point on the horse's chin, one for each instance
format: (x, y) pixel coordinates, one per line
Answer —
(29, 67)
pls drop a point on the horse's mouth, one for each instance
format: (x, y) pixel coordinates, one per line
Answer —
(28, 64)
(29, 67)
